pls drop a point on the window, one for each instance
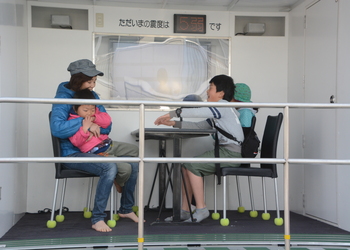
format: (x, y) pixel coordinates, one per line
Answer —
(157, 68)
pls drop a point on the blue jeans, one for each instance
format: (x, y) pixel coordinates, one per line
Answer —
(107, 172)
(127, 200)
(123, 149)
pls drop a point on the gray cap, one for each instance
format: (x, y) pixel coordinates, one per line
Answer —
(192, 98)
(84, 66)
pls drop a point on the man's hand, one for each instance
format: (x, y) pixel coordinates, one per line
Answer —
(164, 120)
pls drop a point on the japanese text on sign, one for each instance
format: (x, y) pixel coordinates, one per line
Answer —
(215, 26)
(155, 24)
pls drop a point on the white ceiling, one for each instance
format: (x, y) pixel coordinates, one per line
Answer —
(222, 5)
(216, 5)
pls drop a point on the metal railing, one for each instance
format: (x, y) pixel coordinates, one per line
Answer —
(142, 159)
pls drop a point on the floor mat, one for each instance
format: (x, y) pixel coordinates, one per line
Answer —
(33, 226)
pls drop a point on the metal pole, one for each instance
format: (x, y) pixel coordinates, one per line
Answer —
(141, 238)
(286, 180)
(177, 180)
(162, 174)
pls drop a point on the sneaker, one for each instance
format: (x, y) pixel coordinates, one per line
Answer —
(199, 215)
(184, 215)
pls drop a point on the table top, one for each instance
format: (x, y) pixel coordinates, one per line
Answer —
(172, 133)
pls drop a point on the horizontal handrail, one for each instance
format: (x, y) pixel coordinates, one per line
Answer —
(170, 104)
(137, 159)
(170, 160)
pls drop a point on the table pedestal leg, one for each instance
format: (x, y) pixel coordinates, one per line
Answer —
(162, 173)
(177, 181)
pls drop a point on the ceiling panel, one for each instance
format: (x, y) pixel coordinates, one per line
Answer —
(216, 5)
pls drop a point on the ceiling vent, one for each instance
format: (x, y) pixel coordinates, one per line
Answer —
(254, 29)
(61, 21)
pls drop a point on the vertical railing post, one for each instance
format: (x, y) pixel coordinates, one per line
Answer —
(141, 238)
(286, 179)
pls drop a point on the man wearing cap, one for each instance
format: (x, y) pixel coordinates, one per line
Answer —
(83, 76)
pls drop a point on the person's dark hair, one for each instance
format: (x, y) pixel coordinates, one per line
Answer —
(77, 80)
(82, 94)
(224, 83)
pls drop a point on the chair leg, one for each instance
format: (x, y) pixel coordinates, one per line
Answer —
(265, 215)
(52, 223)
(87, 210)
(253, 213)
(215, 195)
(240, 208)
(111, 222)
(60, 217)
(224, 221)
(278, 220)
(215, 215)
(115, 209)
(264, 195)
(135, 207)
(224, 197)
(112, 202)
(91, 184)
(54, 200)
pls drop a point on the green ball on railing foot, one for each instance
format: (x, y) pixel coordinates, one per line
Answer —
(87, 214)
(51, 224)
(278, 221)
(241, 210)
(60, 218)
(111, 223)
(225, 222)
(265, 216)
(253, 214)
(116, 217)
(215, 216)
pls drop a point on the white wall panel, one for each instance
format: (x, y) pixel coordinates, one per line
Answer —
(49, 58)
(261, 62)
(13, 82)
(343, 123)
(296, 94)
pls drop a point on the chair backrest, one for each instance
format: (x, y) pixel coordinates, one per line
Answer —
(246, 131)
(269, 141)
(61, 170)
(56, 146)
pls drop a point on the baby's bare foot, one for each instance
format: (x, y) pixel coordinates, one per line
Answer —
(131, 216)
(101, 226)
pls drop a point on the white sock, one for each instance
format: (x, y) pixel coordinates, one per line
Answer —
(201, 214)
(184, 215)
